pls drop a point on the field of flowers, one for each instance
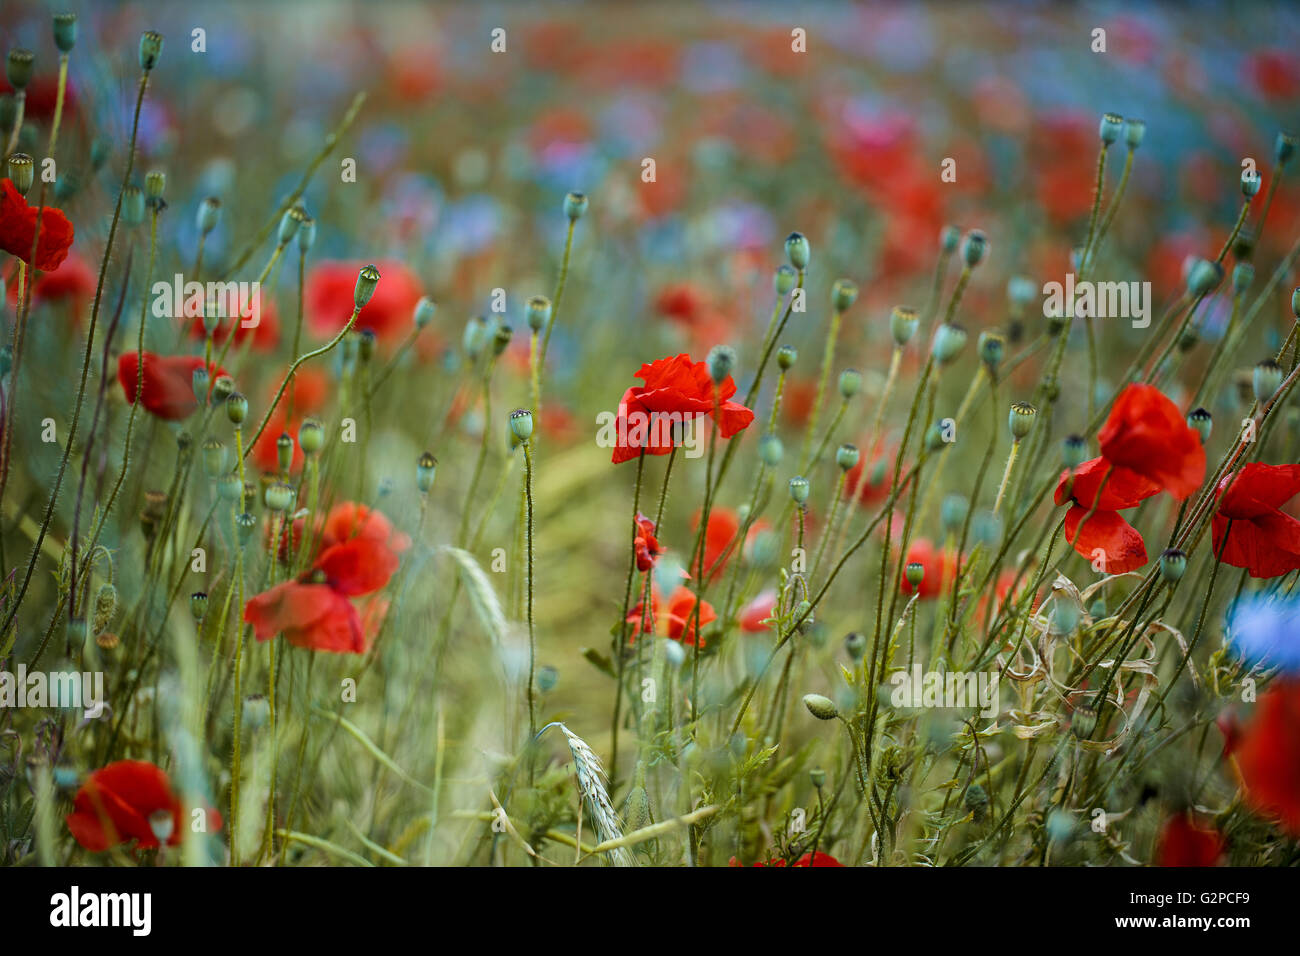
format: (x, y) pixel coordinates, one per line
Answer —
(678, 435)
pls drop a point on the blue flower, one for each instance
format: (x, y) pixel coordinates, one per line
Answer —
(1266, 631)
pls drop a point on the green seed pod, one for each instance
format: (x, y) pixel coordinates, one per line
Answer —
(1021, 291)
(367, 280)
(1134, 131)
(915, 573)
(105, 608)
(1082, 721)
(18, 68)
(245, 525)
(850, 383)
(797, 250)
(311, 436)
(99, 150)
(200, 383)
(1203, 277)
(952, 513)
(986, 527)
(257, 711)
(786, 356)
(935, 439)
(847, 456)
(539, 312)
(1112, 124)
(132, 206)
(547, 677)
(151, 45)
(306, 234)
(1021, 419)
(1243, 274)
(366, 344)
(1250, 180)
(721, 360)
(284, 453)
(475, 337)
(22, 171)
(1266, 380)
(770, 450)
(230, 488)
(949, 237)
(209, 215)
(289, 223)
(575, 206)
(976, 802)
(222, 389)
(279, 495)
(1074, 450)
(501, 338)
(949, 340)
(855, 645)
(155, 184)
(992, 349)
(1202, 422)
(823, 708)
(799, 489)
(902, 324)
(65, 31)
(1065, 616)
(784, 279)
(1283, 148)
(214, 457)
(974, 248)
(425, 469)
(1173, 564)
(199, 605)
(843, 294)
(236, 408)
(1295, 302)
(521, 424)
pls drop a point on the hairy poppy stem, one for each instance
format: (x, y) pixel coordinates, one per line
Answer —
(528, 548)
(620, 642)
(828, 358)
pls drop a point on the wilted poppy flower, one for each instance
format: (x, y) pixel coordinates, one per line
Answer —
(313, 610)
(676, 391)
(1183, 843)
(328, 299)
(1105, 530)
(1260, 538)
(1146, 433)
(168, 382)
(130, 800)
(1267, 754)
(18, 230)
(646, 544)
(678, 621)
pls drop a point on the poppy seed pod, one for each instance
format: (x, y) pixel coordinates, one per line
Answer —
(366, 344)
(952, 512)
(521, 424)
(902, 324)
(539, 312)
(279, 496)
(547, 677)
(799, 489)
(992, 349)
(209, 215)
(850, 383)
(843, 294)
(1134, 131)
(575, 204)
(1021, 291)
(230, 488)
(721, 360)
(1250, 179)
(847, 456)
(311, 436)
(1203, 277)
(1021, 419)
(306, 234)
(1283, 148)
(424, 310)
(976, 802)
(99, 150)
(214, 457)
(823, 708)
(934, 438)
(974, 248)
(949, 339)
(475, 336)
(155, 184)
(199, 605)
(1064, 617)
(151, 45)
(949, 237)
(915, 573)
(1266, 380)
(236, 408)
(797, 250)
(65, 31)
(105, 608)
(425, 470)
(367, 279)
(1111, 126)
(289, 223)
(22, 172)
(132, 206)
(1243, 274)
(284, 452)
(245, 525)
(1202, 422)
(199, 383)
(787, 355)
(784, 279)
(855, 645)
(817, 778)
(1295, 302)
(770, 450)
(1173, 564)
(257, 709)
(1074, 450)
(18, 68)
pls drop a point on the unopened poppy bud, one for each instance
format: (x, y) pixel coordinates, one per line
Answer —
(306, 234)
(843, 294)
(199, 380)
(799, 489)
(992, 349)
(847, 456)
(1134, 131)
(367, 279)
(65, 31)
(1204, 276)
(311, 436)
(935, 439)
(539, 312)
(575, 205)
(1064, 617)
(784, 279)
(770, 450)
(22, 171)
(236, 408)
(797, 250)
(786, 356)
(1111, 126)
(902, 324)
(850, 383)
(1021, 419)
(1283, 148)
(949, 339)
(18, 68)
(425, 469)
(949, 237)
(105, 608)
(1073, 451)
(284, 452)
(1021, 291)
(1173, 564)
(721, 360)
(366, 344)
(823, 708)
(1266, 380)
(521, 424)
(1243, 274)
(151, 45)
(214, 457)
(915, 573)
(817, 777)
(1250, 182)
(1295, 302)
(855, 645)
(974, 248)
(952, 512)
(209, 215)
(279, 495)
(1202, 422)
(245, 525)
(132, 206)
(155, 184)
(289, 224)
(162, 824)
(475, 336)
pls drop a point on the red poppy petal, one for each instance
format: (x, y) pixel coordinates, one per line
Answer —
(1121, 545)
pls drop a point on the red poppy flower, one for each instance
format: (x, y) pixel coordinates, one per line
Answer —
(757, 611)
(18, 230)
(682, 302)
(313, 610)
(1105, 529)
(1183, 843)
(677, 387)
(129, 800)
(724, 525)
(939, 568)
(808, 859)
(307, 393)
(168, 382)
(349, 521)
(328, 299)
(72, 283)
(265, 334)
(678, 622)
(1147, 434)
(646, 545)
(1261, 539)
(1267, 754)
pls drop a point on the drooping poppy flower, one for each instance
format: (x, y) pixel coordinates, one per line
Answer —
(940, 565)
(676, 391)
(1267, 755)
(129, 800)
(646, 545)
(1098, 490)
(808, 859)
(757, 611)
(724, 525)
(314, 610)
(168, 382)
(328, 299)
(1260, 537)
(678, 621)
(18, 230)
(1183, 843)
(1146, 433)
